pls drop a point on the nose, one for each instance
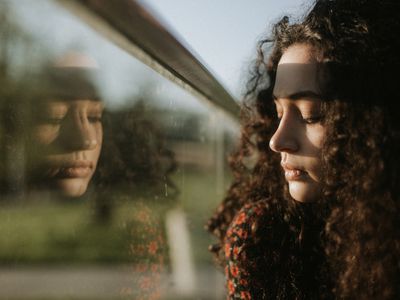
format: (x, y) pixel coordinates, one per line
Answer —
(285, 138)
(86, 138)
(80, 135)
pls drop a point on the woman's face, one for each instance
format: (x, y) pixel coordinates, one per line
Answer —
(67, 136)
(300, 134)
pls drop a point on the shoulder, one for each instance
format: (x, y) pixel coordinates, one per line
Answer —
(247, 243)
(248, 221)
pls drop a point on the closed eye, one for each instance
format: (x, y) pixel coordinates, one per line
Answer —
(95, 119)
(313, 120)
(52, 121)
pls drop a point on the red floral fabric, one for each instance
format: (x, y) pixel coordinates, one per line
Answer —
(266, 260)
(241, 263)
(148, 250)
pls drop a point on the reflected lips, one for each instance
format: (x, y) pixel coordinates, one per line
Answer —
(76, 169)
(292, 173)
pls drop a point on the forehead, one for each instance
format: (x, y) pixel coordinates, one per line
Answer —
(299, 54)
(299, 72)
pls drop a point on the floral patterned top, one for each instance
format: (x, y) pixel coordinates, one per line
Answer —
(246, 268)
(149, 253)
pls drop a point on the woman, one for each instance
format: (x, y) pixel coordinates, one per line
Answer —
(313, 212)
(66, 129)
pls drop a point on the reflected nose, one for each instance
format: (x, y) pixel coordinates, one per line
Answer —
(86, 138)
(284, 138)
(80, 135)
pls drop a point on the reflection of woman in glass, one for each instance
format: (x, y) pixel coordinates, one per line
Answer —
(316, 215)
(67, 134)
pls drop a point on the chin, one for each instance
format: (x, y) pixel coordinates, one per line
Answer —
(304, 191)
(74, 187)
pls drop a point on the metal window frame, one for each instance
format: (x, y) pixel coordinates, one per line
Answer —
(133, 28)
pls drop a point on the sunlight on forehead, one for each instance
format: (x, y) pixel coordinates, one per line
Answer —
(299, 54)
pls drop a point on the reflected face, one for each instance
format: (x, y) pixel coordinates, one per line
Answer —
(300, 134)
(68, 137)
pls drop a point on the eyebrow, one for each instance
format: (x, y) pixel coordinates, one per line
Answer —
(300, 95)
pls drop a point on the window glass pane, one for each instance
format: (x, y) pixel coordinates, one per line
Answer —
(108, 171)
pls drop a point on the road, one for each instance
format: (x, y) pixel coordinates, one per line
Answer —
(97, 282)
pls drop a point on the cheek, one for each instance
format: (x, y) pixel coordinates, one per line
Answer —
(99, 134)
(45, 134)
(99, 138)
(316, 136)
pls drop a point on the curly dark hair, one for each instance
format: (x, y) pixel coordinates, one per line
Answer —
(346, 244)
(134, 156)
(134, 163)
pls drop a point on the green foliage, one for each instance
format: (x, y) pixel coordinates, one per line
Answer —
(64, 233)
(59, 232)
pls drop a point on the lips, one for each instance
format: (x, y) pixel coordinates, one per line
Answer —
(293, 173)
(74, 172)
(73, 169)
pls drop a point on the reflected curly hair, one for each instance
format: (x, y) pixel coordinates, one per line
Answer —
(351, 234)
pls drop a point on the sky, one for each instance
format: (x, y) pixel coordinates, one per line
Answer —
(224, 33)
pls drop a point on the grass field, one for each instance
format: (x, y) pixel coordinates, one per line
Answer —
(60, 232)
(57, 233)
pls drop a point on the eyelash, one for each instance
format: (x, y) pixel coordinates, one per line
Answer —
(95, 119)
(312, 120)
(309, 121)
